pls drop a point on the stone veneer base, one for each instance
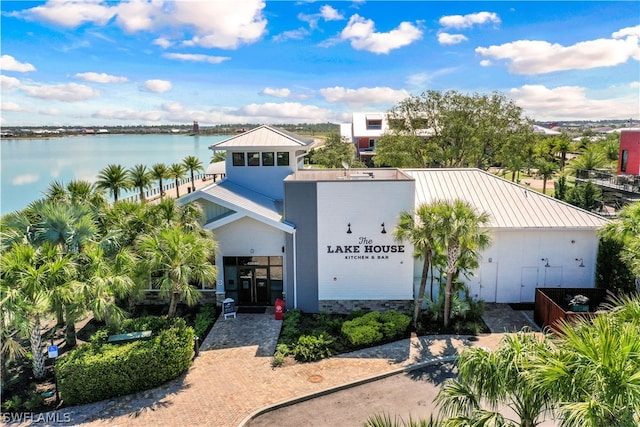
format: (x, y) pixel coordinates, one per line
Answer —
(347, 306)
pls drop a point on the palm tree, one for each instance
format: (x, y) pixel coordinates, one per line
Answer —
(562, 145)
(593, 369)
(160, 171)
(459, 230)
(27, 270)
(626, 229)
(177, 258)
(113, 178)
(546, 169)
(419, 227)
(80, 191)
(591, 158)
(169, 213)
(192, 163)
(494, 379)
(177, 172)
(140, 178)
(72, 228)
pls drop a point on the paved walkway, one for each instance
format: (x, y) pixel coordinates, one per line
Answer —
(232, 377)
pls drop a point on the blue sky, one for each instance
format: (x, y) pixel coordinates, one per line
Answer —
(137, 62)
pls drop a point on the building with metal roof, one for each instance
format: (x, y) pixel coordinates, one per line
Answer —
(323, 240)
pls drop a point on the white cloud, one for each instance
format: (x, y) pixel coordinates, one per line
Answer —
(195, 57)
(129, 115)
(101, 78)
(298, 34)
(467, 21)
(214, 23)
(326, 13)
(163, 42)
(446, 38)
(72, 13)
(157, 86)
(330, 14)
(29, 178)
(362, 35)
(284, 112)
(634, 84)
(10, 106)
(626, 32)
(172, 107)
(276, 93)
(571, 102)
(70, 92)
(9, 83)
(218, 24)
(50, 112)
(363, 95)
(533, 57)
(137, 15)
(9, 63)
(421, 80)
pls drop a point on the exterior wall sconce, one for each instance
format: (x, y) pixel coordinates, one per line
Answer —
(383, 230)
(581, 262)
(349, 228)
(546, 260)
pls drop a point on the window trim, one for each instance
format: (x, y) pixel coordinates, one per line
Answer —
(272, 161)
(235, 157)
(280, 156)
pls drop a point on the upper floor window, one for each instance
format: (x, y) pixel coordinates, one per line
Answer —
(253, 159)
(267, 159)
(374, 124)
(624, 159)
(283, 158)
(238, 159)
(372, 143)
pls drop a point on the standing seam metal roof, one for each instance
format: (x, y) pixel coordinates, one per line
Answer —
(509, 205)
(264, 136)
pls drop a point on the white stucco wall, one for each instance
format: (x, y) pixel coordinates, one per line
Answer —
(365, 274)
(513, 266)
(247, 237)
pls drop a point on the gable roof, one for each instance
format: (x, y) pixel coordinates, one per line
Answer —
(264, 136)
(510, 205)
(243, 202)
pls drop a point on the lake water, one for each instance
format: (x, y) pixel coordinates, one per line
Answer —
(30, 165)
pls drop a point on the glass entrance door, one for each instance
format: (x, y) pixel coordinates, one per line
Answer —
(254, 286)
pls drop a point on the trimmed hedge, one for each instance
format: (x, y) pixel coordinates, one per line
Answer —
(99, 371)
(375, 327)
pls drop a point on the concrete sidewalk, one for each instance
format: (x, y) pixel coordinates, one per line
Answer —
(232, 377)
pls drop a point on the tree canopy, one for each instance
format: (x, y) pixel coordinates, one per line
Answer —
(452, 129)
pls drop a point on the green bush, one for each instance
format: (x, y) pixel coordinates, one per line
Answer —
(291, 326)
(204, 320)
(310, 348)
(95, 372)
(394, 324)
(375, 327)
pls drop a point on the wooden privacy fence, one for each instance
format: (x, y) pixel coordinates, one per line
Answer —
(552, 305)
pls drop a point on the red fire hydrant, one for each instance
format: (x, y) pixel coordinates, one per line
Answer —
(279, 309)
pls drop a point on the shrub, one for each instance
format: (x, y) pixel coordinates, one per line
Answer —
(394, 324)
(290, 326)
(310, 348)
(277, 360)
(95, 372)
(204, 320)
(374, 327)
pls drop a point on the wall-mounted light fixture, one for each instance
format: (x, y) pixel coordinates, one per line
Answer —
(546, 260)
(581, 262)
(349, 228)
(383, 230)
